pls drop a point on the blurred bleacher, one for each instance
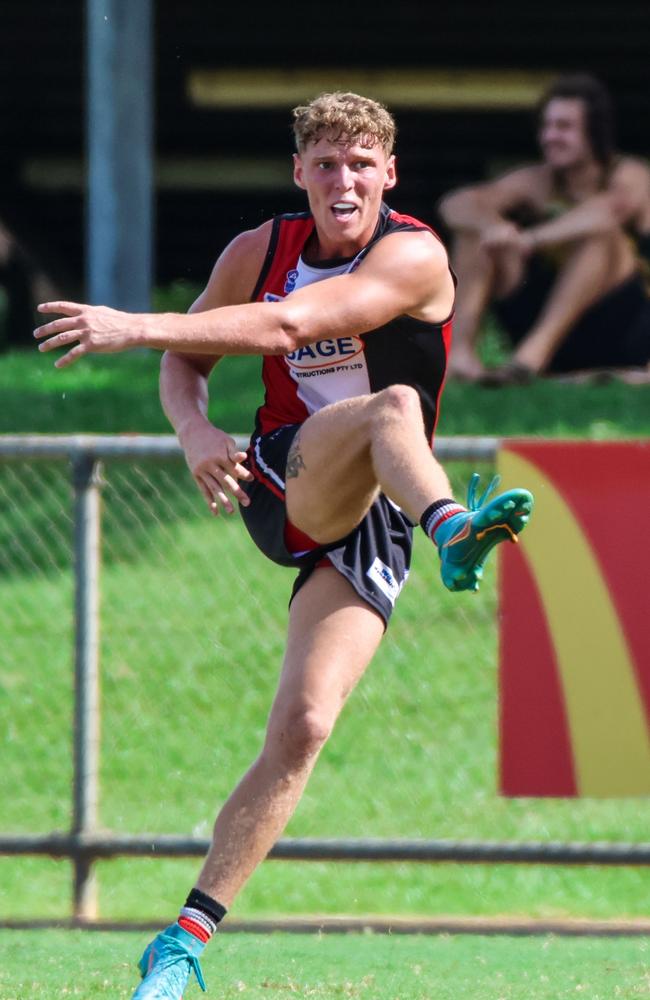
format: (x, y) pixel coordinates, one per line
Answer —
(224, 166)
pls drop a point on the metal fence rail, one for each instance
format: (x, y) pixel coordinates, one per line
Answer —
(93, 846)
(85, 843)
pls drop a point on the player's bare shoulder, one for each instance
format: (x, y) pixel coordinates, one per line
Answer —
(237, 269)
(416, 261)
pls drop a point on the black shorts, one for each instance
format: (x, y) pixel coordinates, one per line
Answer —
(613, 333)
(375, 557)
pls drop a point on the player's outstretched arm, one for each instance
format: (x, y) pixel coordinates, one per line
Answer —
(404, 273)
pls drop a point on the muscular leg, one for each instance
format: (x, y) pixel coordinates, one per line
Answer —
(482, 275)
(596, 265)
(333, 635)
(349, 451)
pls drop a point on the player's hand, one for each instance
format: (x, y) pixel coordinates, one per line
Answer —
(91, 329)
(216, 464)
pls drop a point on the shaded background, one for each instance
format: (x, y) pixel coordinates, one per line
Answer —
(201, 152)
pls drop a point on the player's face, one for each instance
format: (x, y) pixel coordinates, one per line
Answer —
(345, 185)
(563, 135)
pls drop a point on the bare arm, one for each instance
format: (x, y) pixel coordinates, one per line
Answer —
(630, 194)
(404, 273)
(211, 454)
(626, 201)
(591, 217)
(485, 205)
(184, 376)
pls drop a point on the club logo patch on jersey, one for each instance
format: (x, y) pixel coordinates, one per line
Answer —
(384, 578)
(291, 279)
(332, 353)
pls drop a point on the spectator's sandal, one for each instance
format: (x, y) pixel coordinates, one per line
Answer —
(512, 373)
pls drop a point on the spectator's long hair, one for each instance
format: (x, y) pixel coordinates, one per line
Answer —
(599, 111)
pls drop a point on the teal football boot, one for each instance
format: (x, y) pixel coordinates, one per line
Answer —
(465, 539)
(167, 963)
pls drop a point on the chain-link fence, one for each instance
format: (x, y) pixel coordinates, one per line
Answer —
(174, 624)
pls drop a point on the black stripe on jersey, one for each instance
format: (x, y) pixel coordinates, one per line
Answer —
(272, 247)
(388, 224)
(408, 351)
(270, 254)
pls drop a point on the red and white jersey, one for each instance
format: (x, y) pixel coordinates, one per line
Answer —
(405, 351)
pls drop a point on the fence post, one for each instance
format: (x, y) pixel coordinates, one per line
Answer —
(87, 484)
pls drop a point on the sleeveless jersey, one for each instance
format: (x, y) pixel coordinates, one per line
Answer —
(404, 351)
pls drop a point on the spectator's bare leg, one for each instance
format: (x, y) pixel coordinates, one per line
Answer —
(596, 266)
(482, 275)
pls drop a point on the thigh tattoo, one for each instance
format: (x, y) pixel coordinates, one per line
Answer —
(294, 459)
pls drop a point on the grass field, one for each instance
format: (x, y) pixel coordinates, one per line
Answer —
(430, 707)
(414, 754)
(62, 964)
(118, 394)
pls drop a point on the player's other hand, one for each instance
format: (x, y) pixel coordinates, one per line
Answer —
(86, 330)
(216, 464)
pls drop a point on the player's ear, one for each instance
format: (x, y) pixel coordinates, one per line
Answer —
(391, 173)
(298, 171)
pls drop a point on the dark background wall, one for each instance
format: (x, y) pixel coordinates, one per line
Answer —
(42, 96)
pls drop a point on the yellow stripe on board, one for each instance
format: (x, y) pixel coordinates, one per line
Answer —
(277, 87)
(609, 734)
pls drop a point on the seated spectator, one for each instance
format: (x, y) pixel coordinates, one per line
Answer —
(23, 284)
(556, 249)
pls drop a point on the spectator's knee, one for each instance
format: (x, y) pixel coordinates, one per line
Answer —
(607, 251)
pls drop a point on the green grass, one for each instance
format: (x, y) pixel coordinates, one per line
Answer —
(415, 752)
(58, 964)
(119, 394)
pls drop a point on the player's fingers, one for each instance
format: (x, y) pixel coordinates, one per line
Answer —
(221, 498)
(234, 454)
(70, 357)
(243, 473)
(207, 493)
(233, 487)
(67, 308)
(218, 493)
(237, 469)
(56, 326)
(59, 340)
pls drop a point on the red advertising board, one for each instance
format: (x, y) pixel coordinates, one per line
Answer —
(574, 622)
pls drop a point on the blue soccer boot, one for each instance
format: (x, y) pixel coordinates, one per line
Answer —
(167, 964)
(465, 539)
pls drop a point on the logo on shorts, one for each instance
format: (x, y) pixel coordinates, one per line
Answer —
(326, 353)
(384, 578)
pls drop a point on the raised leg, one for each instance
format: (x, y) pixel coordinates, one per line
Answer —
(349, 451)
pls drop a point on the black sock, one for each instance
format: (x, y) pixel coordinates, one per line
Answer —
(201, 915)
(436, 513)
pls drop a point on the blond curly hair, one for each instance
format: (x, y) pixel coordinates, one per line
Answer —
(344, 117)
